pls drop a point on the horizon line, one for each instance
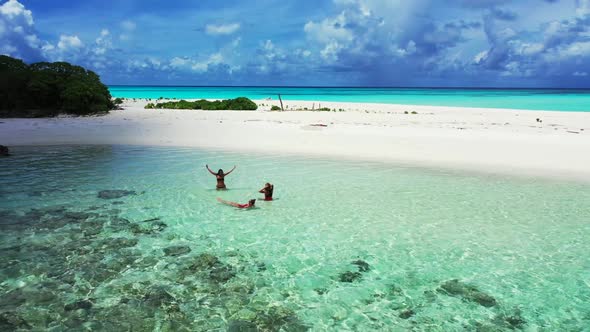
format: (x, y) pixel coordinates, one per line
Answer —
(346, 87)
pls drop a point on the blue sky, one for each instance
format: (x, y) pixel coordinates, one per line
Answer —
(446, 43)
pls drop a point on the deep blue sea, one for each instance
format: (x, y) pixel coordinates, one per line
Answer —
(577, 100)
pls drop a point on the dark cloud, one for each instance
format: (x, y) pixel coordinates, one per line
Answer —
(557, 57)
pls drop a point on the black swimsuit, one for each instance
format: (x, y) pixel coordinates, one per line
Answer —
(220, 181)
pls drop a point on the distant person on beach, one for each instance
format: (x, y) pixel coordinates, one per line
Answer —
(248, 205)
(267, 191)
(220, 175)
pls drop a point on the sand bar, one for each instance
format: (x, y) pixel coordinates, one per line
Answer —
(473, 139)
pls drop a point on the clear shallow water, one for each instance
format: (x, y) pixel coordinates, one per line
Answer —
(518, 247)
(528, 99)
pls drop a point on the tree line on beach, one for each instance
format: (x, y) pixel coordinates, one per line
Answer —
(240, 103)
(47, 89)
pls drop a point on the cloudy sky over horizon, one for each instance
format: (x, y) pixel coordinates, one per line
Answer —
(495, 43)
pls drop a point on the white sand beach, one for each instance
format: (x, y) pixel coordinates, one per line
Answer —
(472, 139)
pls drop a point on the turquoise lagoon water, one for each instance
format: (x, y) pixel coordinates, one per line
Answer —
(346, 246)
(530, 99)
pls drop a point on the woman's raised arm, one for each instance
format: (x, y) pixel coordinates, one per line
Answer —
(231, 170)
(210, 171)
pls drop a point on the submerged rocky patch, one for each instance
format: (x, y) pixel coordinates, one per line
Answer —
(467, 292)
(76, 269)
(114, 194)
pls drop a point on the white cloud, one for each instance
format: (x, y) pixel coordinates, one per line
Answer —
(580, 73)
(177, 62)
(203, 66)
(223, 29)
(576, 49)
(14, 10)
(273, 59)
(481, 56)
(69, 43)
(156, 63)
(271, 52)
(103, 43)
(200, 66)
(128, 25)
(268, 45)
(329, 30)
(47, 47)
(18, 37)
(529, 49)
(409, 50)
(331, 50)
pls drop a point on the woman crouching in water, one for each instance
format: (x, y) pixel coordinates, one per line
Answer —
(267, 191)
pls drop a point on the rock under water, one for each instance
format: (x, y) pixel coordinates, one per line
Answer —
(363, 266)
(11, 321)
(241, 326)
(177, 250)
(406, 314)
(349, 276)
(81, 304)
(470, 293)
(114, 194)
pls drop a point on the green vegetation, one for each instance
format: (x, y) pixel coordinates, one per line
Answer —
(46, 89)
(240, 103)
(275, 108)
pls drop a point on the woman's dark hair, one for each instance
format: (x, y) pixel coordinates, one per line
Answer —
(252, 201)
(220, 172)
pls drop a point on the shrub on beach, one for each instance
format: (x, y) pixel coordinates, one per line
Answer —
(240, 103)
(49, 89)
(275, 108)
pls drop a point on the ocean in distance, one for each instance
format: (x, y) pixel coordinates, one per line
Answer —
(570, 100)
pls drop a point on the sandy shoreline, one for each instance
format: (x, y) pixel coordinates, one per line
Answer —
(483, 140)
